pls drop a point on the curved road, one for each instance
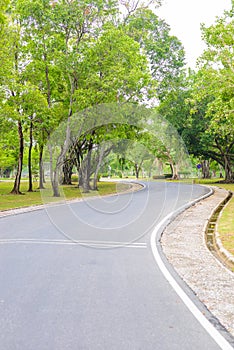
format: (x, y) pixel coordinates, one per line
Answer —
(82, 276)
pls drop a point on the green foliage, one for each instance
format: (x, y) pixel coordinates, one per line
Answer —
(59, 57)
(214, 90)
(113, 70)
(164, 51)
(201, 106)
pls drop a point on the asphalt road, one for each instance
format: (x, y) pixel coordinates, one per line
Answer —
(83, 277)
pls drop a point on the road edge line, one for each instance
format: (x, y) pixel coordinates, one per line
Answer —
(154, 241)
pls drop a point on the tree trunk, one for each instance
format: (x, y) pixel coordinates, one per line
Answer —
(205, 169)
(137, 170)
(86, 176)
(16, 187)
(66, 144)
(80, 177)
(95, 177)
(86, 186)
(85, 171)
(227, 162)
(30, 182)
(55, 184)
(67, 173)
(41, 169)
(47, 82)
(174, 171)
(53, 174)
(95, 182)
(229, 174)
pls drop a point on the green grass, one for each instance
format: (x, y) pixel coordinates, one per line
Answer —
(226, 221)
(11, 201)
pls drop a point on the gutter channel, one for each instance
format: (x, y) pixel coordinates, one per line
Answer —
(212, 237)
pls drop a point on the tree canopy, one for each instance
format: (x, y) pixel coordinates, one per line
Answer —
(61, 59)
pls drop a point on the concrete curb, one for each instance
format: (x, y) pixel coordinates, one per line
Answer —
(228, 257)
(184, 245)
(29, 209)
(215, 329)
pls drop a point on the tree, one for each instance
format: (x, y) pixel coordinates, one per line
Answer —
(107, 73)
(67, 56)
(13, 86)
(77, 24)
(214, 88)
(164, 51)
(113, 70)
(42, 46)
(34, 105)
(4, 40)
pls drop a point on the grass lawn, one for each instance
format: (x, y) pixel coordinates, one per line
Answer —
(11, 201)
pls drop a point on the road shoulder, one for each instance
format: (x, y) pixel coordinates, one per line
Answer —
(183, 243)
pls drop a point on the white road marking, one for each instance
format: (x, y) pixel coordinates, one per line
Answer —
(101, 244)
(211, 330)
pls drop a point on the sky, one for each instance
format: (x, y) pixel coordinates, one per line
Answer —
(185, 17)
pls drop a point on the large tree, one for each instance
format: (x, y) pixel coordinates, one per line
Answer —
(113, 70)
(70, 55)
(164, 51)
(214, 89)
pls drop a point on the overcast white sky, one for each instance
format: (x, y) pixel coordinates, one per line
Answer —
(184, 18)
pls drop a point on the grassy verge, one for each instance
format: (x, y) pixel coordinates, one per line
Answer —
(11, 201)
(226, 221)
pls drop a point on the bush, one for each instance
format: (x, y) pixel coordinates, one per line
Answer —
(161, 177)
(104, 175)
(158, 177)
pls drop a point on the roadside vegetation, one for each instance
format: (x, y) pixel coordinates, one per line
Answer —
(58, 64)
(11, 201)
(226, 220)
(72, 102)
